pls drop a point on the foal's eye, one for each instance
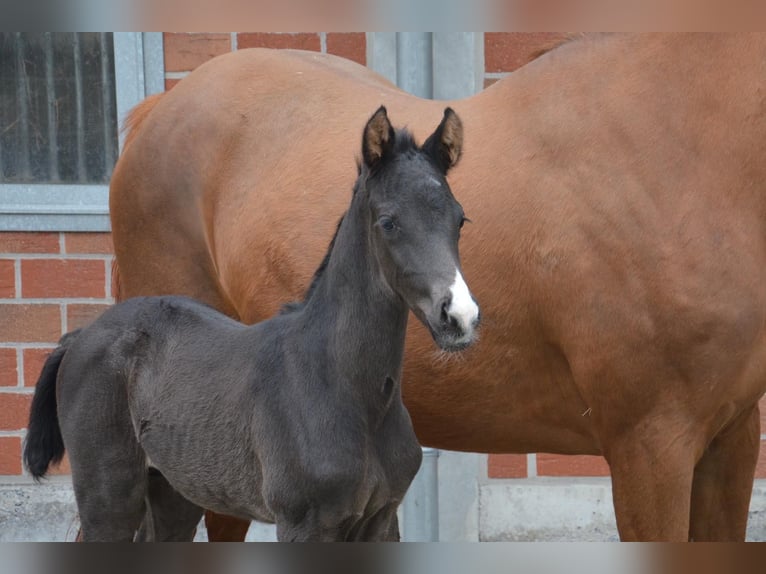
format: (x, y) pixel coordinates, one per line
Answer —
(462, 222)
(387, 223)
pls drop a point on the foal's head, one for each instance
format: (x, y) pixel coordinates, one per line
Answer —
(416, 224)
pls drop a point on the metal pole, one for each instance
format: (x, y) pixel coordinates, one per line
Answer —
(420, 509)
(415, 63)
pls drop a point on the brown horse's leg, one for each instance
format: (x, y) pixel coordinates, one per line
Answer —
(651, 485)
(723, 481)
(222, 528)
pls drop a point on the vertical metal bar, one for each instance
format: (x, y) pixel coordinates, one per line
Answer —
(50, 88)
(458, 64)
(82, 175)
(106, 96)
(6, 48)
(414, 73)
(154, 60)
(414, 63)
(128, 73)
(22, 105)
(3, 113)
(420, 511)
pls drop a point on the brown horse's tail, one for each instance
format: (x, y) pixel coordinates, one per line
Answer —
(136, 117)
(44, 445)
(116, 282)
(131, 128)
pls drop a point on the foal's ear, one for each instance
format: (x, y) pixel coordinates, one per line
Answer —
(446, 144)
(378, 140)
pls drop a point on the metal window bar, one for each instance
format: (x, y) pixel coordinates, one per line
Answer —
(79, 111)
(53, 156)
(107, 90)
(22, 105)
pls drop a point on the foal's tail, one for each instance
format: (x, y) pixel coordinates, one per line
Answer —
(44, 445)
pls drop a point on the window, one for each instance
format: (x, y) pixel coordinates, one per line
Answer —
(57, 108)
(62, 96)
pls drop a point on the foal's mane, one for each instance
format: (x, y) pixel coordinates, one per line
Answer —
(295, 305)
(404, 143)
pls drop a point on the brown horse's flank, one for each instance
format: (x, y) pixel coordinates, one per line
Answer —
(619, 247)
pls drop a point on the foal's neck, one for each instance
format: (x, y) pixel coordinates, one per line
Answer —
(364, 319)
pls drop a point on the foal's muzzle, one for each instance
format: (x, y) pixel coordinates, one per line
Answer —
(458, 324)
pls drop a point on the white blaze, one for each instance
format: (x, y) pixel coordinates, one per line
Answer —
(463, 307)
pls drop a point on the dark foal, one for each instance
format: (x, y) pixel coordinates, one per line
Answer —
(297, 420)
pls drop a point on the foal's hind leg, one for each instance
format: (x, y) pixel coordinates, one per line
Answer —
(723, 481)
(169, 516)
(110, 490)
(108, 465)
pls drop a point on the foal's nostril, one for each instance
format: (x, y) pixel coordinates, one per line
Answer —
(445, 312)
(449, 320)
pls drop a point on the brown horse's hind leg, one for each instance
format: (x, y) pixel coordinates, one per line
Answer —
(723, 481)
(222, 528)
(651, 484)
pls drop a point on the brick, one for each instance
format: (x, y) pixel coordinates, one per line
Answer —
(278, 40)
(351, 45)
(7, 278)
(25, 242)
(34, 359)
(10, 455)
(97, 243)
(184, 52)
(9, 369)
(82, 315)
(30, 323)
(760, 468)
(507, 466)
(44, 278)
(507, 51)
(14, 411)
(170, 83)
(567, 465)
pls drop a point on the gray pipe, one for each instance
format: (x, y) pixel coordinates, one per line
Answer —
(415, 63)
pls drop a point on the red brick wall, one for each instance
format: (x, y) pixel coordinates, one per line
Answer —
(506, 51)
(54, 282)
(186, 51)
(50, 283)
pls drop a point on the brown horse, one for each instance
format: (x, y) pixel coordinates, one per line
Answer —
(617, 188)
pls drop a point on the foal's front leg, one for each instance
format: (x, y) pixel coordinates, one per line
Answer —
(317, 525)
(383, 526)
